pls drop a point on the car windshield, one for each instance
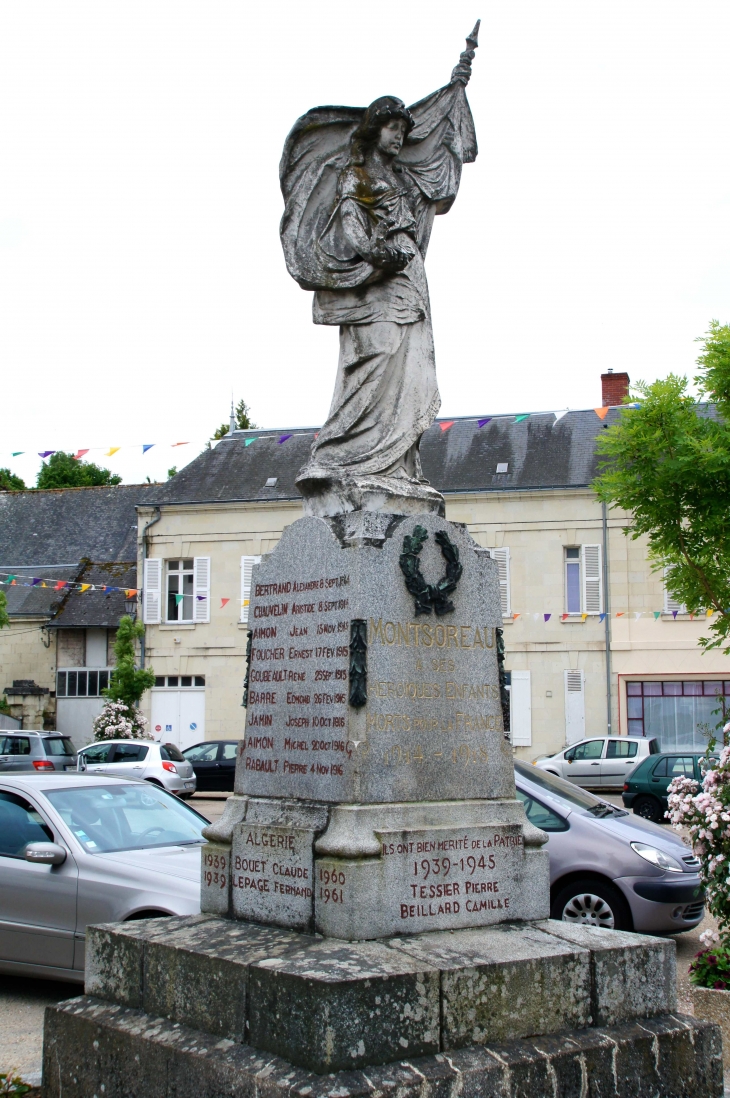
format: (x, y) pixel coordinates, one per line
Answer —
(126, 817)
(573, 794)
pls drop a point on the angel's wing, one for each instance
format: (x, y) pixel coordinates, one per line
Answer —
(315, 153)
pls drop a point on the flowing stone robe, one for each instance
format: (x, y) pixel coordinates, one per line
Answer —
(386, 393)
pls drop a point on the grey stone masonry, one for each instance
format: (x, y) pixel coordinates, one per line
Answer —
(330, 1005)
(375, 793)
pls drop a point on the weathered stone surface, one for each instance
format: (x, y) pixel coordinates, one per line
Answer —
(199, 974)
(714, 1006)
(503, 983)
(215, 881)
(632, 975)
(90, 1045)
(332, 1006)
(432, 726)
(115, 956)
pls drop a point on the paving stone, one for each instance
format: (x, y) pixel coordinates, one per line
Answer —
(335, 1005)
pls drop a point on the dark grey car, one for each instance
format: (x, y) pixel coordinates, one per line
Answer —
(32, 750)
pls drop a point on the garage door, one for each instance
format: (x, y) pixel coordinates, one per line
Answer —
(178, 716)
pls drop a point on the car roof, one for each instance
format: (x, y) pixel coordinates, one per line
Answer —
(40, 781)
(29, 732)
(131, 739)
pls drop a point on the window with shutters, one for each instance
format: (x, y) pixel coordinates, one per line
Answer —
(672, 605)
(502, 558)
(201, 588)
(583, 579)
(575, 706)
(520, 716)
(247, 564)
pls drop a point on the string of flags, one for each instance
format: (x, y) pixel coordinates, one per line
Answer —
(444, 425)
(635, 614)
(14, 579)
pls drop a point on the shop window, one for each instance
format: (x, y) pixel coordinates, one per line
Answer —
(681, 715)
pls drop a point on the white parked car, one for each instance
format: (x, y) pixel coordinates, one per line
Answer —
(601, 762)
(158, 763)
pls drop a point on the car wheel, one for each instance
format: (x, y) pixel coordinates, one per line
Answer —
(649, 809)
(154, 781)
(185, 796)
(591, 903)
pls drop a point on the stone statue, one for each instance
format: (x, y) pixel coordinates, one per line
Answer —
(362, 186)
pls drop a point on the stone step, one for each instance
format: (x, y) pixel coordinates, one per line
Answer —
(94, 1047)
(328, 1005)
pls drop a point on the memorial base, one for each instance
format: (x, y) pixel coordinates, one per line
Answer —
(207, 1007)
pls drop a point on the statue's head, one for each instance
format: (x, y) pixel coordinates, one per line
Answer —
(385, 124)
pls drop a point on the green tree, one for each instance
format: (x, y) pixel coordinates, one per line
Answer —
(62, 470)
(243, 421)
(9, 482)
(172, 472)
(4, 619)
(128, 682)
(667, 462)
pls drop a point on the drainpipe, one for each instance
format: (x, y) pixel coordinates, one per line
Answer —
(156, 518)
(607, 619)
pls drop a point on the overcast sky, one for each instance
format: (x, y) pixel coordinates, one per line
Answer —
(141, 276)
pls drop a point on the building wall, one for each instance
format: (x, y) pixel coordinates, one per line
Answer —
(535, 526)
(27, 652)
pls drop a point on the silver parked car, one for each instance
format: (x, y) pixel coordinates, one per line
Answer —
(602, 762)
(158, 763)
(78, 849)
(607, 867)
(34, 750)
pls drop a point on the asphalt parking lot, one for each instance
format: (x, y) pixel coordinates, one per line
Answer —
(23, 1001)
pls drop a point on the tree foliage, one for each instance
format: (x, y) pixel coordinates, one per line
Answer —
(62, 470)
(243, 421)
(667, 461)
(9, 482)
(128, 682)
(4, 619)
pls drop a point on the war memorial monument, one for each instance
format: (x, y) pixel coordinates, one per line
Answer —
(375, 902)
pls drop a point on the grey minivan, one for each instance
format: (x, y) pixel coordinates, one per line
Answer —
(32, 750)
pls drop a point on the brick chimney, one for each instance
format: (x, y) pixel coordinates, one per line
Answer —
(614, 388)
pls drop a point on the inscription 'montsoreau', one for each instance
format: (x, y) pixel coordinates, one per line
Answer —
(424, 635)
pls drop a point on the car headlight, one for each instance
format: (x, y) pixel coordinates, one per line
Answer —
(657, 858)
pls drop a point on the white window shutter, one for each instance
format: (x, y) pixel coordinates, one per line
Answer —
(592, 580)
(502, 558)
(247, 564)
(520, 709)
(670, 603)
(201, 589)
(152, 596)
(575, 706)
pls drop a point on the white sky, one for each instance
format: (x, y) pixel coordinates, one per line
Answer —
(141, 276)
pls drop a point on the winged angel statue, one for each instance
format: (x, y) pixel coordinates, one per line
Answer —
(361, 187)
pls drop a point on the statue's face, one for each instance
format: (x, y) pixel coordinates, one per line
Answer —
(392, 136)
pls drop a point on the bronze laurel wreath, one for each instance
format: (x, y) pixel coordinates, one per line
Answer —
(430, 596)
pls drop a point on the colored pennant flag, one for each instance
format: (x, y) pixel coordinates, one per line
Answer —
(560, 414)
(45, 453)
(563, 617)
(601, 412)
(601, 617)
(179, 444)
(583, 617)
(223, 602)
(61, 584)
(79, 454)
(283, 438)
(709, 613)
(620, 614)
(515, 617)
(637, 615)
(147, 446)
(250, 440)
(657, 614)
(17, 453)
(35, 582)
(85, 587)
(546, 617)
(130, 592)
(483, 422)
(691, 617)
(178, 599)
(674, 613)
(10, 578)
(200, 598)
(14, 583)
(445, 424)
(112, 450)
(525, 415)
(316, 434)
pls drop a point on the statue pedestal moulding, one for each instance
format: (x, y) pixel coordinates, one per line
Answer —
(374, 892)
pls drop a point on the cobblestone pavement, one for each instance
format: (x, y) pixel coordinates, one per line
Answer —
(23, 1001)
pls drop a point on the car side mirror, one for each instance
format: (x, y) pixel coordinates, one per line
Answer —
(45, 853)
(81, 763)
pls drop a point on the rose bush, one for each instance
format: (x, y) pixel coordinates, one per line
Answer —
(705, 813)
(118, 721)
